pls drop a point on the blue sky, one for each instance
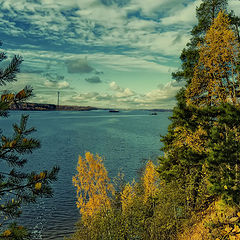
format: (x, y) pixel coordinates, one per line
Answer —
(103, 53)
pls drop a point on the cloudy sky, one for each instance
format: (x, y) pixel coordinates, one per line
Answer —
(103, 53)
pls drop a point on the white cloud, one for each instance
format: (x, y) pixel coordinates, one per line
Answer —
(57, 85)
(88, 17)
(98, 14)
(121, 92)
(36, 58)
(235, 6)
(150, 7)
(185, 15)
(147, 41)
(125, 93)
(163, 97)
(140, 24)
(114, 86)
(63, 84)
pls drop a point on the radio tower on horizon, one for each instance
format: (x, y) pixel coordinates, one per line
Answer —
(58, 99)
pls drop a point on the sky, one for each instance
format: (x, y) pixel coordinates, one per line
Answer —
(101, 53)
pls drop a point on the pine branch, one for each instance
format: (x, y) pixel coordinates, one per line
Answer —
(3, 56)
(9, 73)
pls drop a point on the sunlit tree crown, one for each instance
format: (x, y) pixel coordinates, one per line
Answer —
(216, 75)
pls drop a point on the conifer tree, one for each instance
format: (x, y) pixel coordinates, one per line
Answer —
(205, 14)
(215, 86)
(18, 187)
(185, 142)
(202, 142)
(223, 161)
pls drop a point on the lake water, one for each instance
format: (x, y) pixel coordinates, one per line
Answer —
(125, 139)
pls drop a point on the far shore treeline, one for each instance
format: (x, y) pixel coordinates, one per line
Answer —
(26, 106)
(49, 107)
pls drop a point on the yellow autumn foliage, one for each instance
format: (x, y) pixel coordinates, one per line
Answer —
(7, 97)
(150, 181)
(7, 233)
(42, 175)
(218, 221)
(128, 196)
(21, 94)
(216, 75)
(38, 186)
(195, 140)
(93, 185)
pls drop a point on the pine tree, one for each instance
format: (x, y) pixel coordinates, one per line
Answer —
(214, 86)
(185, 142)
(202, 144)
(223, 154)
(18, 187)
(205, 14)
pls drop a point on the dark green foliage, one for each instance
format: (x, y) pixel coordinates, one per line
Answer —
(18, 187)
(15, 232)
(182, 162)
(224, 152)
(206, 12)
(235, 21)
(8, 74)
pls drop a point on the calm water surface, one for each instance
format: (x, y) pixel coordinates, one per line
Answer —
(125, 139)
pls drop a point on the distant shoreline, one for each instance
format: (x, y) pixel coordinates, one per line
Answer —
(49, 107)
(53, 107)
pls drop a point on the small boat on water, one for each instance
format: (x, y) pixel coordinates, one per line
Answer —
(113, 111)
(154, 113)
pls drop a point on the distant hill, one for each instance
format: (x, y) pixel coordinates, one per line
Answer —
(49, 107)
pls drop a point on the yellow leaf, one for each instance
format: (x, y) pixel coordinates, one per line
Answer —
(233, 219)
(228, 229)
(236, 229)
(7, 233)
(13, 143)
(38, 186)
(42, 175)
